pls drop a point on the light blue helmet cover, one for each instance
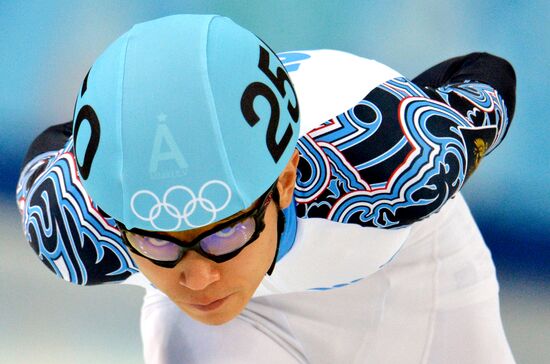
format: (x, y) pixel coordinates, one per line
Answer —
(183, 121)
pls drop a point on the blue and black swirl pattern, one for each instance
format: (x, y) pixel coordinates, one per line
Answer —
(65, 229)
(398, 155)
(482, 106)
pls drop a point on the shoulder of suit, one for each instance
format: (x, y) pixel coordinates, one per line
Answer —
(329, 82)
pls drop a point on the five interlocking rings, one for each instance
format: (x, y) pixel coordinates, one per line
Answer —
(171, 208)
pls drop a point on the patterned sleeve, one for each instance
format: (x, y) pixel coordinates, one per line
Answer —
(405, 149)
(61, 223)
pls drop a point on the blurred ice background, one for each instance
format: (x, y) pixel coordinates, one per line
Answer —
(46, 47)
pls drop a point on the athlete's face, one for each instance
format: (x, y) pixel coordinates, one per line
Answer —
(214, 293)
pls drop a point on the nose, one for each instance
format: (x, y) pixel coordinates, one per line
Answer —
(197, 272)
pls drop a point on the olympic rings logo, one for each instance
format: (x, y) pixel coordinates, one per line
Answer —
(169, 205)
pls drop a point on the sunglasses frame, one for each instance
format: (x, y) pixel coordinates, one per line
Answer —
(257, 213)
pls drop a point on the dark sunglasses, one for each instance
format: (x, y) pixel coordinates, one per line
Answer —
(219, 244)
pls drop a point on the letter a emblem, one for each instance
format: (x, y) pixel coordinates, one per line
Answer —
(165, 149)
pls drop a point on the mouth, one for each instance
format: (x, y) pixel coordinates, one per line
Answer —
(210, 306)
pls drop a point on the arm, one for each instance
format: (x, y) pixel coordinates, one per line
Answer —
(67, 232)
(399, 154)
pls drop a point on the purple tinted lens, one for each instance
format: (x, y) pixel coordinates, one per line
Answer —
(156, 249)
(229, 239)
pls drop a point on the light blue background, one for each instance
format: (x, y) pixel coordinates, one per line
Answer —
(46, 49)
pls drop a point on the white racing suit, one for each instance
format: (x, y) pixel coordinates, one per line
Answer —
(380, 260)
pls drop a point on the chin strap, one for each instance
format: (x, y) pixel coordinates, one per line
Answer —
(280, 228)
